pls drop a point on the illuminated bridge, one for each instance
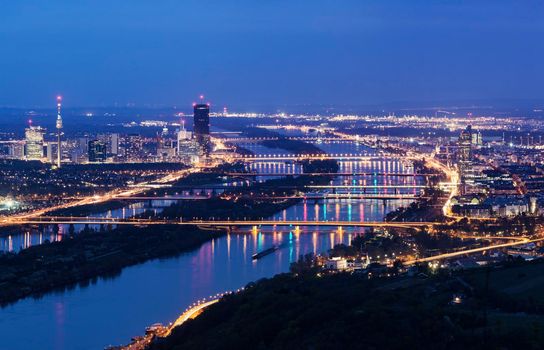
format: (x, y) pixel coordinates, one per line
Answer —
(310, 196)
(215, 223)
(297, 138)
(339, 186)
(250, 174)
(298, 157)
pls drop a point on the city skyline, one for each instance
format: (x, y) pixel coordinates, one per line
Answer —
(287, 174)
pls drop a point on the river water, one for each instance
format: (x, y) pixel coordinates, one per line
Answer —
(110, 311)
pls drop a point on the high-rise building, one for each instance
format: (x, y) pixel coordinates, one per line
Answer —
(114, 141)
(17, 150)
(51, 152)
(187, 147)
(34, 142)
(477, 140)
(465, 145)
(97, 151)
(133, 146)
(202, 127)
(464, 156)
(59, 130)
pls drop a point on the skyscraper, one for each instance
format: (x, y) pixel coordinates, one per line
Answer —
(34, 142)
(202, 127)
(465, 156)
(97, 151)
(59, 129)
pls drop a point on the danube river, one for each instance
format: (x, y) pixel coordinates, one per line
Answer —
(109, 311)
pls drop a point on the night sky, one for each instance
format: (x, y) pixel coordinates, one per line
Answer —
(269, 52)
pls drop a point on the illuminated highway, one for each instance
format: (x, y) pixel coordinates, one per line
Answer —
(520, 241)
(190, 314)
(117, 193)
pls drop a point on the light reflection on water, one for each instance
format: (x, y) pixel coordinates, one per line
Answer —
(112, 310)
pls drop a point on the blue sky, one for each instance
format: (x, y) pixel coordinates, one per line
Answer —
(269, 52)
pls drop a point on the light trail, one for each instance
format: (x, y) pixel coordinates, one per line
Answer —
(96, 199)
(474, 250)
(189, 314)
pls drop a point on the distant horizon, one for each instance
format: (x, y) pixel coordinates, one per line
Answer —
(488, 103)
(270, 53)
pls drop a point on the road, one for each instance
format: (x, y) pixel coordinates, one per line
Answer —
(190, 314)
(475, 250)
(142, 343)
(96, 199)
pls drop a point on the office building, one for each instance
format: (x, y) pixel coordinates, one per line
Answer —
(97, 151)
(34, 142)
(202, 127)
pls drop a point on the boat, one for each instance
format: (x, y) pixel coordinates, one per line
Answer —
(265, 252)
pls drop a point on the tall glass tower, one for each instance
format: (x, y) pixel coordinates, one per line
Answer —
(202, 126)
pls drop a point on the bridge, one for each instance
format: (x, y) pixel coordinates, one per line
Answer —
(49, 220)
(228, 186)
(324, 156)
(252, 174)
(365, 186)
(316, 196)
(295, 138)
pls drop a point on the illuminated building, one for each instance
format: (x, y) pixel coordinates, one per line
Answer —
(97, 151)
(51, 152)
(464, 155)
(114, 142)
(59, 130)
(202, 127)
(133, 146)
(187, 147)
(34, 142)
(476, 139)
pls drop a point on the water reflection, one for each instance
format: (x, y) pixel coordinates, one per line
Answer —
(112, 310)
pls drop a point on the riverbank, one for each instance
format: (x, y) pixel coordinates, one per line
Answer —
(88, 255)
(473, 309)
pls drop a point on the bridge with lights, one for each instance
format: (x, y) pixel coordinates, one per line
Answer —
(50, 220)
(355, 173)
(293, 138)
(317, 156)
(305, 196)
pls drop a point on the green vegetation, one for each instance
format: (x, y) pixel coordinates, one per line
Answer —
(87, 255)
(492, 308)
